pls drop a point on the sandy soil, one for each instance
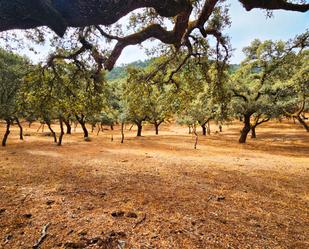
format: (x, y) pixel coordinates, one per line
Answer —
(157, 191)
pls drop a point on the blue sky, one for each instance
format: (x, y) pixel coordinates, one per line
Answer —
(246, 26)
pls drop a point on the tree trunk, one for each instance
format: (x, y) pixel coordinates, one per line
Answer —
(83, 125)
(196, 137)
(7, 132)
(220, 128)
(68, 125)
(253, 133)
(139, 129)
(21, 136)
(189, 126)
(204, 129)
(41, 125)
(51, 130)
(99, 129)
(92, 127)
(75, 125)
(303, 123)
(156, 125)
(122, 133)
(208, 128)
(245, 130)
(61, 131)
(112, 127)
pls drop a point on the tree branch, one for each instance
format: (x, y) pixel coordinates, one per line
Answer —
(274, 5)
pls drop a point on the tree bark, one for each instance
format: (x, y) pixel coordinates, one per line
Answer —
(92, 127)
(83, 125)
(7, 132)
(196, 137)
(51, 130)
(21, 136)
(303, 123)
(61, 131)
(59, 14)
(139, 129)
(253, 133)
(99, 129)
(208, 128)
(122, 133)
(204, 129)
(68, 125)
(157, 125)
(246, 129)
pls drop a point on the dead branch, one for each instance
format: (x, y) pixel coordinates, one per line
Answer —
(43, 236)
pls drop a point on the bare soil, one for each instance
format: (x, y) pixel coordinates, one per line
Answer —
(157, 191)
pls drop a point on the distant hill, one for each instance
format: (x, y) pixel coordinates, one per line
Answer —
(233, 68)
(120, 72)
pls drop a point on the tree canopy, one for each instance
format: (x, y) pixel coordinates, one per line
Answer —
(191, 21)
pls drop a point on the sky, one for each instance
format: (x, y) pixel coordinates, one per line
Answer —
(246, 26)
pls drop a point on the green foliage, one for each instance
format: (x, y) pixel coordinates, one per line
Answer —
(64, 92)
(12, 68)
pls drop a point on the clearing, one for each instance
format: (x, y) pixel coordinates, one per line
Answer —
(157, 191)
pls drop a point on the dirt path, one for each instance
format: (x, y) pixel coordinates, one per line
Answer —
(157, 191)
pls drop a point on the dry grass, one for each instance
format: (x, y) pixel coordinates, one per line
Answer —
(222, 195)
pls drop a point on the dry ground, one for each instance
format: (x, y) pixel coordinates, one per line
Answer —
(165, 193)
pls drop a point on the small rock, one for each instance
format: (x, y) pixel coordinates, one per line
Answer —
(124, 161)
(82, 233)
(74, 245)
(131, 215)
(121, 244)
(220, 198)
(2, 210)
(118, 214)
(50, 202)
(121, 234)
(96, 240)
(27, 216)
(117, 234)
(8, 238)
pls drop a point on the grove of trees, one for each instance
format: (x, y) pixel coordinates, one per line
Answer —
(271, 83)
(189, 79)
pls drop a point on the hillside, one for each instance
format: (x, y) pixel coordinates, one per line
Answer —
(120, 71)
